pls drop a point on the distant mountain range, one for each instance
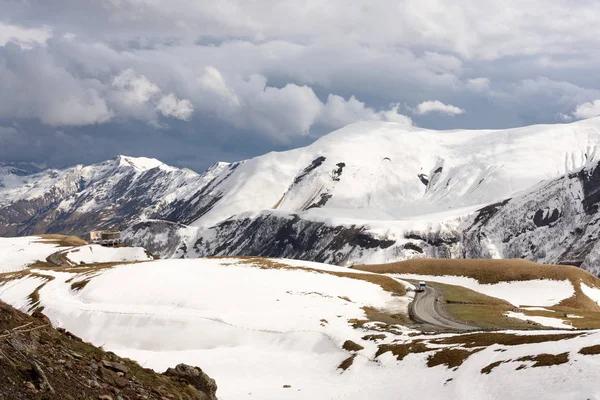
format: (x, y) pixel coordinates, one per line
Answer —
(370, 192)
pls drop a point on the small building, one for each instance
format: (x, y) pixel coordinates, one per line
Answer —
(105, 238)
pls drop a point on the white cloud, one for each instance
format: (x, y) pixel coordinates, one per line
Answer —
(213, 81)
(478, 84)
(136, 96)
(36, 85)
(171, 106)
(24, 37)
(338, 112)
(587, 110)
(289, 111)
(135, 89)
(437, 106)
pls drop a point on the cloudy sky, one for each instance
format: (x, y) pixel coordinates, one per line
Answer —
(196, 81)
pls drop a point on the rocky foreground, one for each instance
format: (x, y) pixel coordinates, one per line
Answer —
(38, 361)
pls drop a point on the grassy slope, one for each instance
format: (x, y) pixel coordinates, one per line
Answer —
(488, 312)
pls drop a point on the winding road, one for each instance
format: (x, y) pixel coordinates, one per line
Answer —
(427, 310)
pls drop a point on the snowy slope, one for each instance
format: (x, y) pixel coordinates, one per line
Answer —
(98, 254)
(18, 253)
(257, 329)
(405, 171)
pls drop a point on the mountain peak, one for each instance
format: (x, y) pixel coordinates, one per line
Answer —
(141, 163)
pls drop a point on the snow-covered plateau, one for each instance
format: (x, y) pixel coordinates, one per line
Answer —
(276, 328)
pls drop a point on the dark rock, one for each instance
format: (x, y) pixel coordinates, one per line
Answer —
(545, 218)
(112, 378)
(195, 377)
(115, 366)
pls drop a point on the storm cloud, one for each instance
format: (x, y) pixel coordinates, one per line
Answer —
(192, 83)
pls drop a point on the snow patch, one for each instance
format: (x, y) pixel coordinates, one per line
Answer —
(97, 254)
(539, 292)
(591, 292)
(545, 321)
(18, 253)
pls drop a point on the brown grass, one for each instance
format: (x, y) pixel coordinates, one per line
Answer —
(484, 270)
(485, 339)
(546, 360)
(477, 309)
(347, 362)
(374, 338)
(349, 345)
(387, 318)
(590, 320)
(62, 240)
(34, 297)
(401, 350)
(489, 271)
(80, 269)
(487, 369)
(590, 350)
(451, 358)
(77, 286)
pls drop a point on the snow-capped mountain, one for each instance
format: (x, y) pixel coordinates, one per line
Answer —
(370, 192)
(108, 195)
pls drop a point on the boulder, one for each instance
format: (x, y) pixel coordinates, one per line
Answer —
(197, 378)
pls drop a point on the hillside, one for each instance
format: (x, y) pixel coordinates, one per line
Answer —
(485, 291)
(40, 362)
(304, 329)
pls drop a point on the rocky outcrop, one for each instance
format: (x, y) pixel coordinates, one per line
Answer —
(197, 378)
(557, 222)
(278, 234)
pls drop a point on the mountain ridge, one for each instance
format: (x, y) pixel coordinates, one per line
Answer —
(369, 192)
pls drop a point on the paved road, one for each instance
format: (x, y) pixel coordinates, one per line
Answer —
(427, 310)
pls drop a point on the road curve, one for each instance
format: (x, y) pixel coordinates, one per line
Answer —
(427, 310)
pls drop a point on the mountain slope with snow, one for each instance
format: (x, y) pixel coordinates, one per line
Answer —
(370, 192)
(273, 328)
(106, 195)
(402, 172)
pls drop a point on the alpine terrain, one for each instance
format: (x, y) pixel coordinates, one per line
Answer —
(368, 193)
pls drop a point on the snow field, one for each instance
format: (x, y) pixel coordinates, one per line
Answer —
(545, 321)
(255, 330)
(18, 253)
(95, 253)
(540, 292)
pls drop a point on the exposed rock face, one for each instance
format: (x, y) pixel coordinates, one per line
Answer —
(277, 234)
(163, 238)
(558, 222)
(197, 378)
